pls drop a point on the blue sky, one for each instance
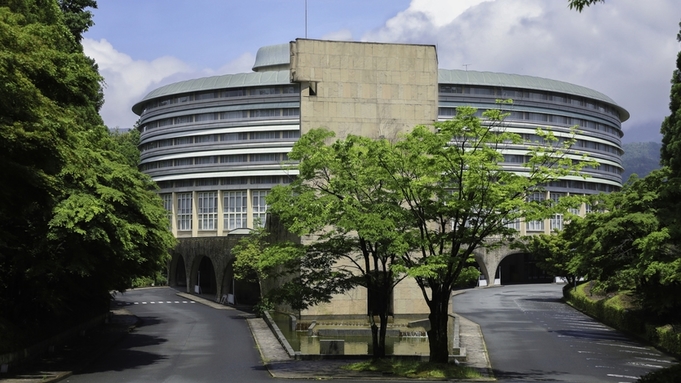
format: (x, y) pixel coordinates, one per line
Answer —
(623, 48)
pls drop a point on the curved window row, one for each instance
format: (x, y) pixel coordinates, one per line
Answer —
(544, 118)
(225, 93)
(252, 180)
(225, 137)
(232, 115)
(207, 160)
(534, 95)
(521, 159)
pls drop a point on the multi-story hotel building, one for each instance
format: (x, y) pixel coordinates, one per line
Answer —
(215, 146)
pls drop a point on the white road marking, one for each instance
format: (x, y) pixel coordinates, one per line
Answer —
(644, 365)
(654, 360)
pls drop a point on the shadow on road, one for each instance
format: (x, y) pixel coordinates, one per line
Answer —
(532, 376)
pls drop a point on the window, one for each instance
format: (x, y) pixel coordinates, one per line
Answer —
(183, 120)
(290, 134)
(513, 224)
(235, 204)
(234, 114)
(288, 89)
(265, 113)
(184, 162)
(556, 222)
(205, 117)
(168, 205)
(265, 180)
(446, 112)
(450, 89)
(535, 225)
(206, 160)
(264, 135)
(204, 96)
(265, 157)
(235, 181)
(233, 93)
(184, 141)
(263, 91)
(206, 138)
(290, 112)
(234, 158)
(208, 182)
(208, 210)
(234, 136)
(184, 211)
(259, 207)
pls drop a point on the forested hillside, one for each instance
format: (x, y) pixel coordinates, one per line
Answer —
(640, 158)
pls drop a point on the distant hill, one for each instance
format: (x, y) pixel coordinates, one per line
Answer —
(640, 158)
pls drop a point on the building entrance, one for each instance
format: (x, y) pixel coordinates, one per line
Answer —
(522, 269)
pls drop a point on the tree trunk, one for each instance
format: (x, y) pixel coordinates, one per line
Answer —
(379, 289)
(438, 338)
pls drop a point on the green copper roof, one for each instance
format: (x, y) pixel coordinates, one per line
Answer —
(457, 76)
(216, 82)
(272, 55)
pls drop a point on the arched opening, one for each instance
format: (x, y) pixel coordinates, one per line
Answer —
(205, 277)
(180, 272)
(240, 291)
(521, 268)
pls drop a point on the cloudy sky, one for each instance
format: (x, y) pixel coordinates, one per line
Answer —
(623, 48)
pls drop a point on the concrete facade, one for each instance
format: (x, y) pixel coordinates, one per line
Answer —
(367, 89)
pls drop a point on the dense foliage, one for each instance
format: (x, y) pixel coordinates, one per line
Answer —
(78, 218)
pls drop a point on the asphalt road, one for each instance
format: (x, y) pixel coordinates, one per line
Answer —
(179, 341)
(532, 336)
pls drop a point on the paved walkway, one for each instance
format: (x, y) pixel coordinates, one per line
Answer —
(276, 359)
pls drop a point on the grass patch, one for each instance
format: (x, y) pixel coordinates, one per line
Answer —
(414, 369)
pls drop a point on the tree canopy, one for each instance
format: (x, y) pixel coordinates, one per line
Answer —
(79, 220)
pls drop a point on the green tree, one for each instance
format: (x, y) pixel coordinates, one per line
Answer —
(79, 220)
(76, 18)
(286, 271)
(556, 254)
(623, 245)
(671, 125)
(126, 143)
(459, 199)
(339, 197)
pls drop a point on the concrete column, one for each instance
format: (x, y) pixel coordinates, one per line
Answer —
(221, 218)
(195, 215)
(173, 213)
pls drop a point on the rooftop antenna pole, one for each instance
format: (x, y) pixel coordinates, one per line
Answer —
(466, 66)
(305, 18)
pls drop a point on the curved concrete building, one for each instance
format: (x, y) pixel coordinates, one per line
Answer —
(216, 145)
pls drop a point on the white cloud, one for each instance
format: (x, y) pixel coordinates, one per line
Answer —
(341, 35)
(127, 80)
(625, 49)
(242, 64)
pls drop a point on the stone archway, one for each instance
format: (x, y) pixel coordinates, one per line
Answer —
(521, 268)
(204, 276)
(177, 271)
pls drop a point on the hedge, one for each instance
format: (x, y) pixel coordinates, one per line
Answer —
(611, 312)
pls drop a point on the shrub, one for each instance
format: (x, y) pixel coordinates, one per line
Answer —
(667, 375)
